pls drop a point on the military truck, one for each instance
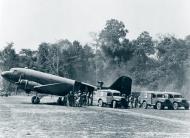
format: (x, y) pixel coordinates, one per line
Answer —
(160, 100)
(153, 98)
(177, 100)
(109, 97)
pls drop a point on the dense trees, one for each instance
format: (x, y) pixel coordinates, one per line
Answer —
(160, 64)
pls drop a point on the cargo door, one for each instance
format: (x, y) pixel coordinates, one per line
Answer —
(149, 98)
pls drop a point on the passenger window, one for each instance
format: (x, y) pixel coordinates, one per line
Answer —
(109, 94)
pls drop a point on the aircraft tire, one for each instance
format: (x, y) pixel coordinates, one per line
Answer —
(59, 101)
(35, 100)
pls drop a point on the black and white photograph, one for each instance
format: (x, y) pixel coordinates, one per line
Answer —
(94, 69)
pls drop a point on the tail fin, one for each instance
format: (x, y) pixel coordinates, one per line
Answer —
(122, 84)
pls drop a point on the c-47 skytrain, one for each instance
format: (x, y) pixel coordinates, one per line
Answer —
(44, 83)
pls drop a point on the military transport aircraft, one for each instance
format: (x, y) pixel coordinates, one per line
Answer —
(44, 83)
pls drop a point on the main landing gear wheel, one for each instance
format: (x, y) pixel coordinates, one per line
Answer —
(59, 101)
(35, 100)
(100, 103)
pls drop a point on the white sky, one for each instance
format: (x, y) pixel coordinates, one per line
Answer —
(29, 22)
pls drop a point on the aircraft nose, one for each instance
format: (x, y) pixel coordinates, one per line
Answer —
(5, 74)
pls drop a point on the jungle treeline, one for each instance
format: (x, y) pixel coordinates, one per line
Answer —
(153, 64)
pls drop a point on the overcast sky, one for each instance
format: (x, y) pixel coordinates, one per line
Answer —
(29, 22)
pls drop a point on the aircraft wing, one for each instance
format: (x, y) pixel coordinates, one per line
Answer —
(87, 87)
(60, 89)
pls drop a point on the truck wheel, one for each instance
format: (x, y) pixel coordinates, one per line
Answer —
(114, 104)
(144, 105)
(175, 106)
(100, 103)
(159, 106)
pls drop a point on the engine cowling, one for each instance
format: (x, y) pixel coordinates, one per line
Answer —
(27, 85)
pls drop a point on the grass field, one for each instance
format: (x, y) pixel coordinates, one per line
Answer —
(19, 119)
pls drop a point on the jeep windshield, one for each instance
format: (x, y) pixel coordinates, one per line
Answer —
(116, 94)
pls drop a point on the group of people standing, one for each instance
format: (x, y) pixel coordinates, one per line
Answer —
(75, 99)
(133, 101)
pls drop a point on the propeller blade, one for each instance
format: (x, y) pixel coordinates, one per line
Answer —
(16, 89)
(19, 80)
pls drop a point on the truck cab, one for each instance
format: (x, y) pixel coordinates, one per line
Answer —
(108, 97)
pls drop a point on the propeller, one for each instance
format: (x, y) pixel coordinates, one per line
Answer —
(16, 89)
(19, 80)
(17, 83)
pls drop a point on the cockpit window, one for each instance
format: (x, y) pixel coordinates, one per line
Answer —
(12, 70)
(15, 71)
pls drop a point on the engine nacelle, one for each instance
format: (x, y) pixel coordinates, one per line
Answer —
(27, 85)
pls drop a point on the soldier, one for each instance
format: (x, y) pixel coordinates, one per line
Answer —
(127, 100)
(76, 102)
(135, 102)
(72, 100)
(65, 100)
(131, 100)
